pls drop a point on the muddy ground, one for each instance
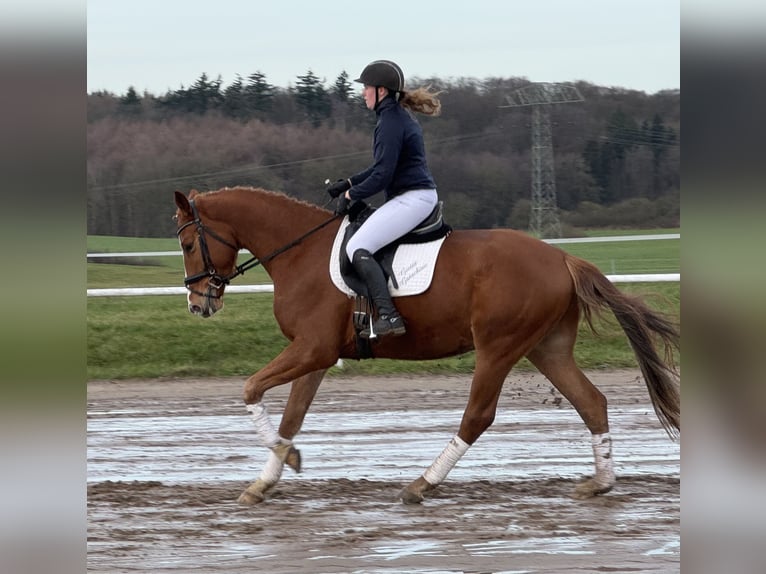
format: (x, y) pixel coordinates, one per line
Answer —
(167, 460)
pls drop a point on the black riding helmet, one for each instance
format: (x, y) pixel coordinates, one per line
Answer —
(383, 73)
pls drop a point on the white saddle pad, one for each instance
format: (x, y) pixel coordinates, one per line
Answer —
(413, 265)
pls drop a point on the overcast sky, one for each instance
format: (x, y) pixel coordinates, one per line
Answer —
(161, 45)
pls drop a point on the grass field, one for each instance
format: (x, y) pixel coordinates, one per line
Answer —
(155, 336)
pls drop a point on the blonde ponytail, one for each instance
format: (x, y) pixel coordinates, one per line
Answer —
(423, 101)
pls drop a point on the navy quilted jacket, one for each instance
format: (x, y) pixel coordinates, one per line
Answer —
(399, 154)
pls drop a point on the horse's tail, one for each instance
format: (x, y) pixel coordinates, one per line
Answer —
(642, 325)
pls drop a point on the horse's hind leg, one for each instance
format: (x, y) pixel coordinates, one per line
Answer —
(553, 356)
(489, 375)
(302, 393)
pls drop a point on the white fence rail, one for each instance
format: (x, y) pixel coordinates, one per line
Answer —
(267, 288)
(566, 240)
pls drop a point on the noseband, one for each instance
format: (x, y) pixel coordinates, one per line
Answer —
(215, 280)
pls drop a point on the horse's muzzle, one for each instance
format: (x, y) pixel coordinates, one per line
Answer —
(195, 309)
(206, 307)
(203, 311)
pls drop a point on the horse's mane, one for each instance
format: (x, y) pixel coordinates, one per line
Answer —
(280, 196)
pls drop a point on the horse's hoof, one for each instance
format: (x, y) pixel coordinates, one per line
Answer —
(250, 498)
(590, 488)
(409, 497)
(255, 493)
(413, 493)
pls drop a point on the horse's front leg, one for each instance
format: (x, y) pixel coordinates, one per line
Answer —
(302, 392)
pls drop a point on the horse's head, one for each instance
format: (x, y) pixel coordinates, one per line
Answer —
(207, 248)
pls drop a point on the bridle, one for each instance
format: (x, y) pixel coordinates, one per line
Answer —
(215, 280)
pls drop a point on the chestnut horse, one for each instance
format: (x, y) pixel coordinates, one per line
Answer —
(499, 292)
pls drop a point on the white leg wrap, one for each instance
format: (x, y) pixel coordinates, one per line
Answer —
(602, 451)
(263, 427)
(445, 462)
(273, 469)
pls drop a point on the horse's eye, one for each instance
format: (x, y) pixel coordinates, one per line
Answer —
(187, 247)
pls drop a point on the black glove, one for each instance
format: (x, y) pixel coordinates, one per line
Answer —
(339, 187)
(342, 206)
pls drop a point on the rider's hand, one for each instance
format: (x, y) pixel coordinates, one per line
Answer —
(340, 186)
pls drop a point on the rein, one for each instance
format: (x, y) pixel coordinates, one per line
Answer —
(216, 280)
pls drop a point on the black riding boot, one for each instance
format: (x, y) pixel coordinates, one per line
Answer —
(389, 322)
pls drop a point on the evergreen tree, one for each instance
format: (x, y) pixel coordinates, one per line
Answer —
(204, 95)
(660, 138)
(342, 88)
(622, 134)
(312, 98)
(341, 101)
(130, 103)
(174, 102)
(259, 95)
(234, 100)
(597, 162)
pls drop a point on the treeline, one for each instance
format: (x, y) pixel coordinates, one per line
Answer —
(616, 153)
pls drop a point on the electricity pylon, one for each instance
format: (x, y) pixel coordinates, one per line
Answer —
(544, 221)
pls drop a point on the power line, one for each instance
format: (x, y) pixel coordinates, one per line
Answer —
(234, 171)
(292, 163)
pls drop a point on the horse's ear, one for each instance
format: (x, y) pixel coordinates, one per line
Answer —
(193, 193)
(183, 203)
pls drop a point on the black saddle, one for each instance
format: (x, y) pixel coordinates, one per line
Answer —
(431, 228)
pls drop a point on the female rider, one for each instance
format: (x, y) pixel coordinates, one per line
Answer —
(400, 170)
